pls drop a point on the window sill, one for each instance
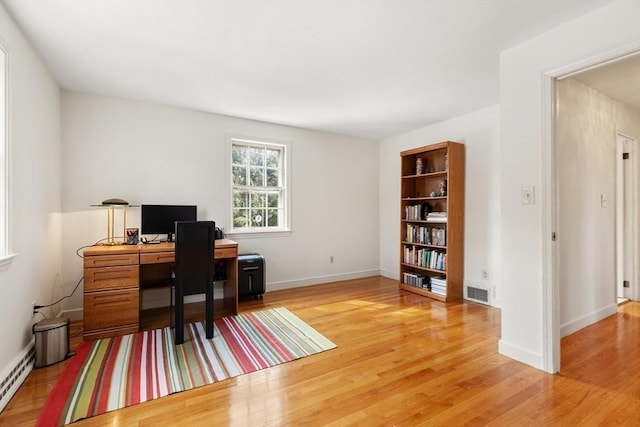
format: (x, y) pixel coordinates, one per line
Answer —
(257, 234)
(6, 260)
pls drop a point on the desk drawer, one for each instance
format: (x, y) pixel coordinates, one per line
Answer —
(96, 279)
(110, 260)
(226, 253)
(157, 257)
(108, 309)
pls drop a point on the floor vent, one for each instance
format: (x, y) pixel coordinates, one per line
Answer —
(477, 294)
(14, 378)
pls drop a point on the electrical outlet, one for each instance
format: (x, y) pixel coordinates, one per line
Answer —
(485, 274)
(331, 259)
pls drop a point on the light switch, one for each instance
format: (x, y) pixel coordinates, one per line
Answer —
(604, 201)
(528, 195)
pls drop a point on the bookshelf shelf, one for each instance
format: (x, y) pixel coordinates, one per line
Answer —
(424, 245)
(432, 221)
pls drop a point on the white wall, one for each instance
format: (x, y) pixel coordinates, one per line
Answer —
(522, 68)
(148, 153)
(586, 148)
(34, 211)
(479, 132)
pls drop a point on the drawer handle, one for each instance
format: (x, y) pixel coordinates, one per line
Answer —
(110, 300)
(112, 261)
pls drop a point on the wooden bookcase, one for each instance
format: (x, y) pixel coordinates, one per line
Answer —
(432, 221)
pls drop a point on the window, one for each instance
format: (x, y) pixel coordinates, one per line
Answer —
(5, 256)
(258, 186)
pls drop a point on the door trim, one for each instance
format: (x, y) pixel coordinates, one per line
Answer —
(631, 142)
(549, 201)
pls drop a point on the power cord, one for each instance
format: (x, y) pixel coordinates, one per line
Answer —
(38, 307)
(88, 246)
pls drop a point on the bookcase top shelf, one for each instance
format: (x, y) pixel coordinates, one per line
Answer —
(432, 147)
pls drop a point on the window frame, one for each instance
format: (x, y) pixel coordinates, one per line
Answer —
(6, 257)
(285, 229)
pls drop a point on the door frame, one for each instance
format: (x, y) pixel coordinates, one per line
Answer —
(550, 206)
(631, 142)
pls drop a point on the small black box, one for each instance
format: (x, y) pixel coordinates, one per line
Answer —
(251, 275)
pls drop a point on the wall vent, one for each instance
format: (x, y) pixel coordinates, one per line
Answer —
(16, 374)
(475, 293)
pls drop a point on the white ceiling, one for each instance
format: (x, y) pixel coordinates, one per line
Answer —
(619, 80)
(366, 68)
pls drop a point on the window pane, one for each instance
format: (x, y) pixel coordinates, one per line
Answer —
(240, 218)
(239, 175)
(272, 217)
(258, 180)
(257, 217)
(257, 177)
(273, 200)
(240, 199)
(272, 178)
(258, 200)
(239, 155)
(256, 156)
(273, 158)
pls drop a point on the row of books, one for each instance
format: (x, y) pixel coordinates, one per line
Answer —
(426, 235)
(413, 213)
(426, 258)
(421, 213)
(438, 285)
(417, 280)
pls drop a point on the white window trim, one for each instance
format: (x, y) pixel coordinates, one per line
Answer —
(267, 232)
(6, 257)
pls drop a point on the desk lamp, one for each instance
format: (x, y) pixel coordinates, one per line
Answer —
(111, 205)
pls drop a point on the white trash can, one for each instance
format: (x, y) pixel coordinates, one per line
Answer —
(52, 341)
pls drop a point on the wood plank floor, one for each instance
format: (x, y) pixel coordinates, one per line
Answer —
(401, 360)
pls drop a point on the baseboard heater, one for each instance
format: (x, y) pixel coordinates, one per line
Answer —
(15, 375)
(477, 293)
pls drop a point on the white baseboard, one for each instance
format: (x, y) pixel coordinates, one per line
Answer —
(275, 286)
(15, 373)
(520, 354)
(390, 275)
(589, 319)
(75, 314)
(160, 297)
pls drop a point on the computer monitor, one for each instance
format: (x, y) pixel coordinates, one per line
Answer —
(160, 219)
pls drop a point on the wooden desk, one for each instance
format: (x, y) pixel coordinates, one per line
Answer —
(115, 277)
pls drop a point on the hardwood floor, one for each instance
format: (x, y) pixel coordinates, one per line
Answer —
(402, 360)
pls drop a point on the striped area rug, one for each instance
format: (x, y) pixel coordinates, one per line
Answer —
(113, 373)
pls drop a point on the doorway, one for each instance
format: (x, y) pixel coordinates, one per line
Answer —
(598, 222)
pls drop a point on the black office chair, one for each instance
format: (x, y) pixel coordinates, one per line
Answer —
(194, 270)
